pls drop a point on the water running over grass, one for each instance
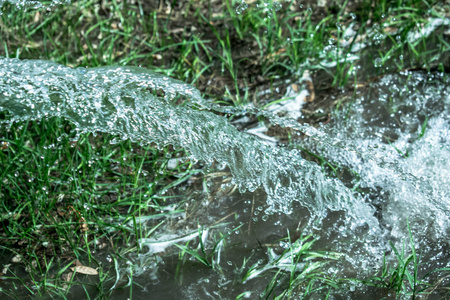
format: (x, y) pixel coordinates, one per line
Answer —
(140, 105)
(396, 182)
(381, 164)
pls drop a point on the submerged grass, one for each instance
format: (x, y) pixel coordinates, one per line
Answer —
(403, 278)
(299, 271)
(69, 202)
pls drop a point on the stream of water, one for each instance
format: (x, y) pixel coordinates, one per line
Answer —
(396, 139)
(125, 101)
(392, 141)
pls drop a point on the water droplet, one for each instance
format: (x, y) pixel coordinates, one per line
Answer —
(241, 7)
(329, 48)
(277, 6)
(378, 63)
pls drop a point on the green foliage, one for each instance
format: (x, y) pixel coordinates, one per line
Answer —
(404, 278)
(70, 195)
(299, 271)
(209, 256)
(205, 41)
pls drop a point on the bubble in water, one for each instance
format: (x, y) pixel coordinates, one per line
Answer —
(284, 245)
(377, 38)
(378, 63)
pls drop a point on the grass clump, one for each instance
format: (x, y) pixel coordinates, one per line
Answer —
(299, 270)
(67, 201)
(403, 278)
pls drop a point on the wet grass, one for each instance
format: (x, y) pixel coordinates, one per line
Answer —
(402, 277)
(64, 200)
(86, 202)
(234, 57)
(299, 270)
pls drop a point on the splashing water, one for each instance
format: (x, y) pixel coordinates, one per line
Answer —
(140, 105)
(404, 127)
(396, 142)
(267, 6)
(147, 107)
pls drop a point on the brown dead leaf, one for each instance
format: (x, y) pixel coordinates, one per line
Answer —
(83, 225)
(310, 88)
(272, 55)
(85, 270)
(37, 17)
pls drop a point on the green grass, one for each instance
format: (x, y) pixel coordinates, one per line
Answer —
(229, 56)
(66, 197)
(63, 200)
(299, 270)
(403, 277)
